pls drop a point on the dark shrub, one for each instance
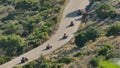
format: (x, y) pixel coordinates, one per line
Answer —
(90, 34)
(104, 50)
(65, 59)
(114, 29)
(81, 39)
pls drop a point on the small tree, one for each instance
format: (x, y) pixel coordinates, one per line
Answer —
(81, 39)
(94, 62)
(93, 32)
(90, 34)
(104, 50)
(105, 10)
(114, 29)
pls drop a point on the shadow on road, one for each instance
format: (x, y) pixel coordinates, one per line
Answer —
(60, 39)
(68, 26)
(78, 19)
(19, 63)
(44, 49)
(73, 14)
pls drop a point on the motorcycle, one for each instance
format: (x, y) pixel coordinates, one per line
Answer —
(24, 59)
(65, 36)
(48, 46)
(71, 23)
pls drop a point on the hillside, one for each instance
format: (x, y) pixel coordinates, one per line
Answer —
(96, 43)
(93, 49)
(25, 24)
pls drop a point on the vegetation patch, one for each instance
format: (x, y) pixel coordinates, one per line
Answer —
(25, 24)
(104, 50)
(102, 63)
(4, 59)
(114, 29)
(105, 10)
(65, 59)
(90, 34)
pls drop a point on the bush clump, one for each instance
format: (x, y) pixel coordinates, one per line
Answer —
(105, 10)
(4, 59)
(95, 61)
(81, 39)
(104, 50)
(90, 34)
(44, 64)
(114, 29)
(12, 44)
(65, 59)
(81, 53)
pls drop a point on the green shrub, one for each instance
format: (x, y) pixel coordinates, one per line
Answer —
(25, 4)
(111, 55)
(30, 65)
(65, 59)
(42, 63)
(81, 39)
(90, 34)
(104, 50)
(39, 35)
(11, 28)
(93, 32)
(105, 10)
(12, 44)
(55, 65)
(94, 62)
(46, 65)
(51, 21)
(32, 20)
(81, 53)
(114, 29)
(4, 59)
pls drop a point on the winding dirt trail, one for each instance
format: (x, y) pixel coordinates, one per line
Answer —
(69, 14)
